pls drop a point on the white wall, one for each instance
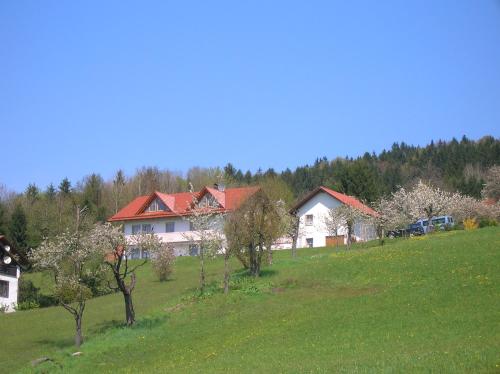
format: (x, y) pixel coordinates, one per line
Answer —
(319, 206)
(158, 224)
(180, 239)
(11, 301)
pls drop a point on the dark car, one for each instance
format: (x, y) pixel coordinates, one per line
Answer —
(414, 229)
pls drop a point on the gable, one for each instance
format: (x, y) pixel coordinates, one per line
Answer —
(320, 203)
(340, 197)
(208, 200)
(157, 205)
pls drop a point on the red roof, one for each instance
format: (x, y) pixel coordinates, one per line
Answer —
(345, 199)
(179, 203)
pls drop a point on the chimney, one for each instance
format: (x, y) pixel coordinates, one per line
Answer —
(219, 187)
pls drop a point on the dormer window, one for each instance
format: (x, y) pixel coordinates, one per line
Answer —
(208, 201)
(156, 205)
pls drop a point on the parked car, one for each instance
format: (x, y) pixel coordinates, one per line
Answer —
(440, 223)
(414, 229)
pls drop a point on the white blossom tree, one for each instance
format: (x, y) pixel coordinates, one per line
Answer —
(391, 215)
(72, 260)
(422, 201)
(206, 221)
(111, 244)
(345, 216)
(491, 188)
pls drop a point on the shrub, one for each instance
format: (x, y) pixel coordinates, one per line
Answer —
(27, 305)
(470, 224)
(30, 297)
(486, 222)
(163, 262)
(28, 292)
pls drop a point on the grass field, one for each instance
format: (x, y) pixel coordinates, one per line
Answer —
(428, 304)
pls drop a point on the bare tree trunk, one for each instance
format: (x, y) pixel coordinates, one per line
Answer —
(295, 238)
(349, 233)
(129, 308)
(202, 270)
(78, 335)
(269, 256)
(226, 274)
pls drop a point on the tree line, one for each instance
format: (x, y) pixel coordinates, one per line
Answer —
(37, 213)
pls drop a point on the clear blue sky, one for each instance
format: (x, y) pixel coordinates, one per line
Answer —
(93, 86)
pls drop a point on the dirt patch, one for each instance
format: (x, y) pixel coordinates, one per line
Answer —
(175, 308)
(277, 290)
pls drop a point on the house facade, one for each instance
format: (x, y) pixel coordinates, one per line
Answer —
(10, 272)
(166, 215)
(313, 211)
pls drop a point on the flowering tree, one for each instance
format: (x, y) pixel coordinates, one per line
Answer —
(332, 222)
(110, 242)
(163, 261)
(71, 259)
(206, 222)
(466, 207)
(293, 231)
(492, 186)
(422, 201)
(391, 216)
(344, 216)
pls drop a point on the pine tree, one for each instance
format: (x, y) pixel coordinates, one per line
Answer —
(3, 220)
(18, 228)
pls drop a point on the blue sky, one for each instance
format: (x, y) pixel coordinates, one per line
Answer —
(93, 86)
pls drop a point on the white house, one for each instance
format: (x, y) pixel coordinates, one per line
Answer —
(166, 215)
(312, 211)
(10, 272)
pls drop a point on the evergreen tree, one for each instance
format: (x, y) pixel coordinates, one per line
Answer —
(65, 187)
(18, 228)
(3, 220)
(50, 193)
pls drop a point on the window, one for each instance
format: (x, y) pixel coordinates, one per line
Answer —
(438, 221)
(156, 205)
(191, 226)
(193, 250)
(4, 289)
(170, 227)
(309, 242)
(144, 228)
(208, 201)
(309, 219)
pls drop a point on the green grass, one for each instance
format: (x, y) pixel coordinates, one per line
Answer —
(428, 304)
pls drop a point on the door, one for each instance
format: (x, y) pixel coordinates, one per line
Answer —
(334, 241)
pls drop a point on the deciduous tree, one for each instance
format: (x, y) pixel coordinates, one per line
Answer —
(72, 260)
(110, 242)
(252, 229)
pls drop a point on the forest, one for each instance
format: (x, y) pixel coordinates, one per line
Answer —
(456, 165)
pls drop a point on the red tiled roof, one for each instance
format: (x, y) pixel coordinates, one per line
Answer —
(179, 203)
(345, 199)
(236, 196)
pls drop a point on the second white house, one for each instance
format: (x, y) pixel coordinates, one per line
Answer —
(312, 211)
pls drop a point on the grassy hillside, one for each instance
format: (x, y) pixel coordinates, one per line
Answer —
(426, 304)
